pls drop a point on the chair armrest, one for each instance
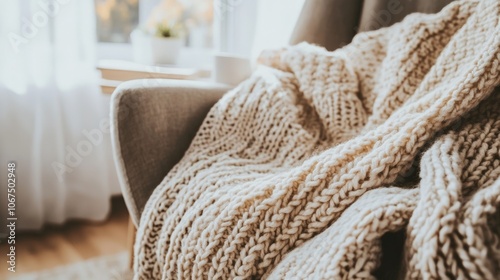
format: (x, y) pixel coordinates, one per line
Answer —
(151, 128)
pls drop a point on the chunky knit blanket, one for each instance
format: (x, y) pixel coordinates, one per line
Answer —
(380, 159)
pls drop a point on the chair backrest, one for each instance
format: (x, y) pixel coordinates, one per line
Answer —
(333, 23)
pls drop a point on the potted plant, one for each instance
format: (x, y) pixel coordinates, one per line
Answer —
(166, 45)
(161, 39)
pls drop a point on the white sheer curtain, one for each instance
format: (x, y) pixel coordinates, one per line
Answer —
(53, 119)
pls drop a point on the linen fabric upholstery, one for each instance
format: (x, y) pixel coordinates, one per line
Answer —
(153, 124)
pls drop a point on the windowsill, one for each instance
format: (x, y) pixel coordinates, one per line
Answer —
(189, 57)
(193, 64)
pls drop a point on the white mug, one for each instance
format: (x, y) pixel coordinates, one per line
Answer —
(231, 69)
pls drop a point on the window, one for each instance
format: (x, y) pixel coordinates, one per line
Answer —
(116, 19)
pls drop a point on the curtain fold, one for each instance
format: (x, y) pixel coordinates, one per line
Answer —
(54, 121)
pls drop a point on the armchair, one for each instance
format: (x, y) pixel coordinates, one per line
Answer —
(152, 127)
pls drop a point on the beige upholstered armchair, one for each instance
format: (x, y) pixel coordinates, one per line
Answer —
(153, 125)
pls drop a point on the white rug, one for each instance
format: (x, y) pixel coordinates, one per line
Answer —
(114, 267)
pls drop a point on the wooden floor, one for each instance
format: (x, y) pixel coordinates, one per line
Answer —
(72, 242)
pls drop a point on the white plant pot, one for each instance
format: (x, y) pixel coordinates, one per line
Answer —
(165, 50)
(149, 49)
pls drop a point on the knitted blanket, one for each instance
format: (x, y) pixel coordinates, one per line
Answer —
(380, 159)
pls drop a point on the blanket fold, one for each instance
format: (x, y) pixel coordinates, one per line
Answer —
(301, 170)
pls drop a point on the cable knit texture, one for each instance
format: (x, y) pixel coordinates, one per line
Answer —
(305, 169)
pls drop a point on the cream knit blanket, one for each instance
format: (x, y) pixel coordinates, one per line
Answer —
(380, 159)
